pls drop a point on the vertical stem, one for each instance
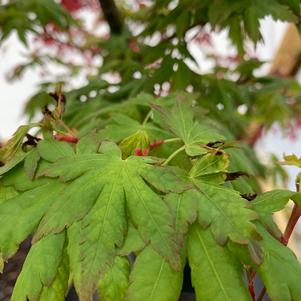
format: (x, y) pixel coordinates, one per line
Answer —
(261, 295)
(296, 213)
(112, 15)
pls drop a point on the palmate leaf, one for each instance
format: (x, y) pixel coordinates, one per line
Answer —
(133, 242)
(227, 213)
(153, 278)
(282, 263)
(12, 149)
(114, 284)
(180, 121)
(272, 201)
(275, 200)
(21, 214)
(40, 270)
(211, 167)
(280, 270)
(185, 209)
(7, 193)
(292, 160)
(59, 286)
(122, 126)
(102, 229)
(100, 189)
(258, 9)
(216, 273)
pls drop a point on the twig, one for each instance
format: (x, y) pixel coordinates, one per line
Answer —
(173, 155)
(112, 15)
(296, 213)
(147, 117)
(261, 295)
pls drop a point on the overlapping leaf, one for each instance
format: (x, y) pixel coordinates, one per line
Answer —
(20, 215)
(211, 167)
(180, 121)
(41, 269)
(216, 274)
(114, 284)
(274, 200)
(100, 188)
(153, 279)
(280, 270)
(227, 213)
(122, 126)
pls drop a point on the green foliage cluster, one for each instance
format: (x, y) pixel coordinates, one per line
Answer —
(120, 188)
(30, 16)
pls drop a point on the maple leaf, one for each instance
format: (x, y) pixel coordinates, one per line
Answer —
(36, 278)
(292, 160)
(20, 215)
(185, 209)
(153, 279)
(211, 167)
(275, 200)
(180, 121)
(226, 212)
(216, 273)
(101, 189)
(284, 285)
(122, 126)
(161, 282)
(60, 284)
(12, 149)
(114, 284)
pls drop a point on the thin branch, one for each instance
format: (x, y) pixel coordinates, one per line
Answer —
(296, 213)
(173, 155)
(262, 294)
(112, 15)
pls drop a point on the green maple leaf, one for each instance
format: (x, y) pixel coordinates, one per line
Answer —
(133, 242)
(278, 261)
(272, 201)
(101, 188)
(138, 140)
(185, 209)
(292, 160)
(227, 213)
(14, 161)
(216, 274)
(211, 167)
(73, 251)
(275, 200)
(282, 263)
(153, 279)
(180, 121)
(122, 126)
(40, 269)
(59, 286)
(20, 215)
(7, 193)
(259, 9)
(13, 146)
(31, 163)
(114, 284)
